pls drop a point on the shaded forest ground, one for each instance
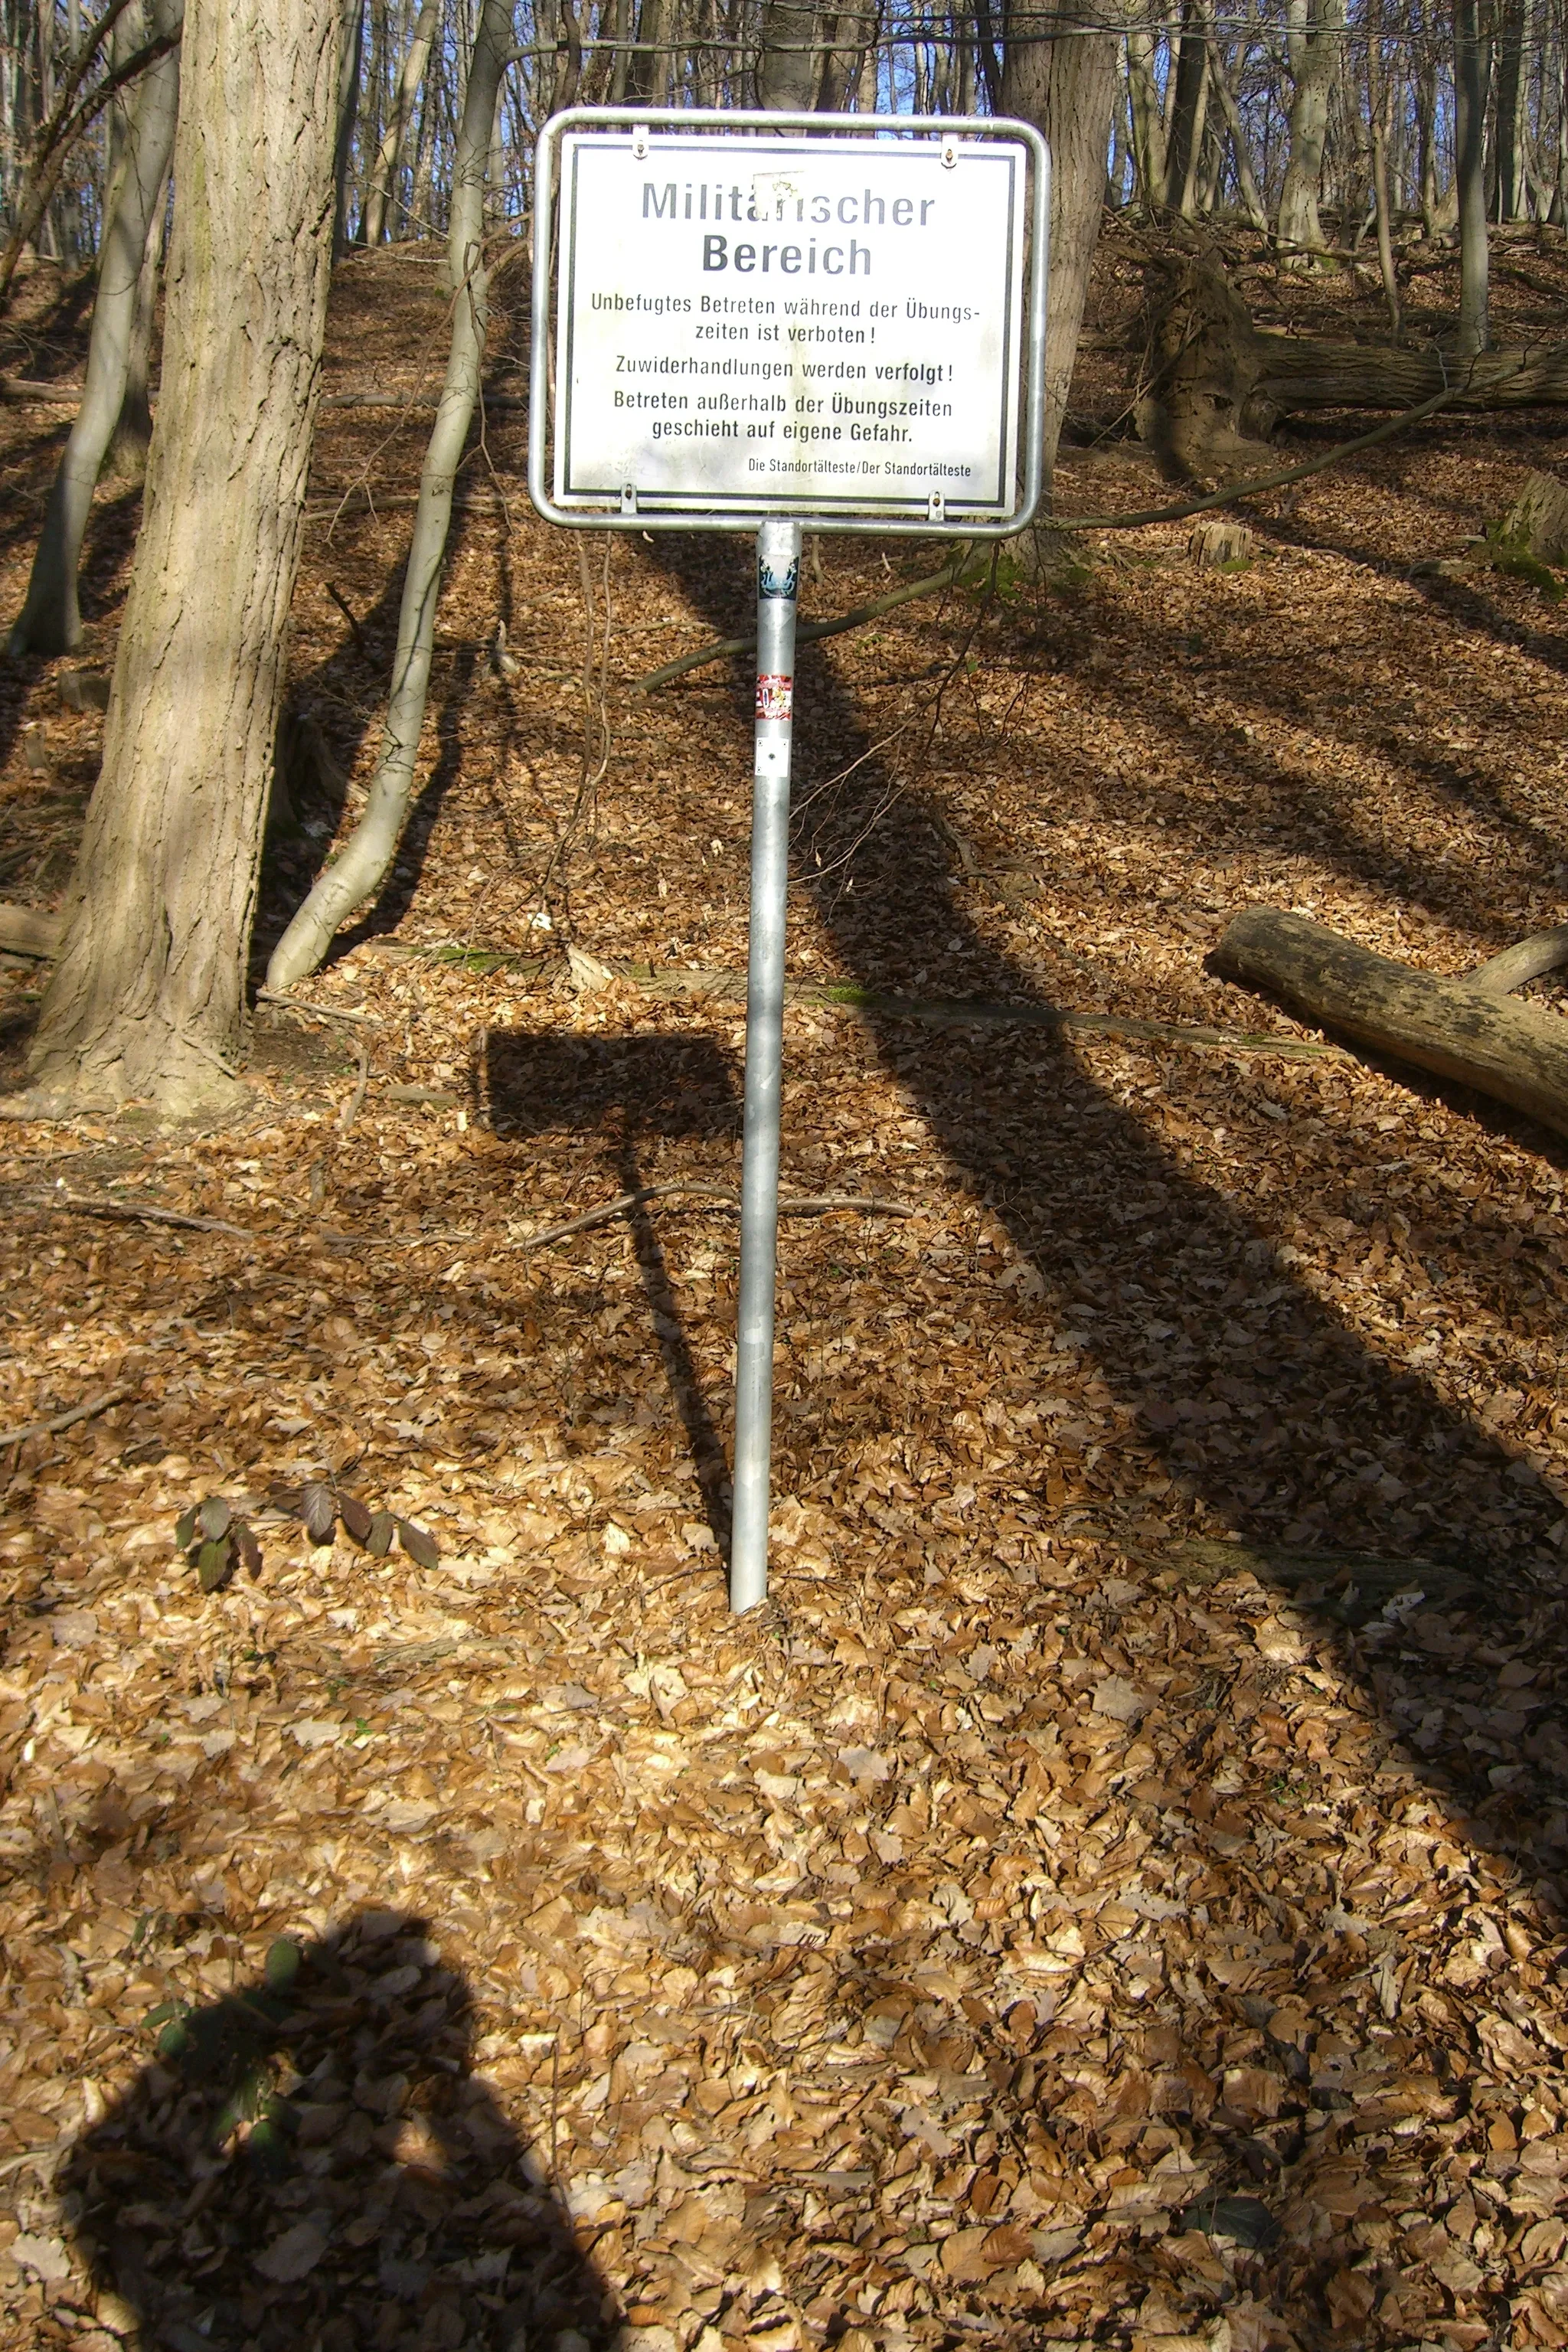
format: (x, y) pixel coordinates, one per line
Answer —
(1085, 1907)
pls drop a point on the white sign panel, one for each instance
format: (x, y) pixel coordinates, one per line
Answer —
(816, 324)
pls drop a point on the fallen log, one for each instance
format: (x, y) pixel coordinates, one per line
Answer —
(1300, 372)
(1466, 1028)
(29, 931)
(1217, 384)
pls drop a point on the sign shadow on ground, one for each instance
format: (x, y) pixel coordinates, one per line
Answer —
(627, 1093)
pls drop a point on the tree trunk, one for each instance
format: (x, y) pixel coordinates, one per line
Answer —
(1067, 88)
(1148, 122)
(383, 178)
(1314, 44)
(1191, 68)
(348, 108)
(363, 863)
(1508, 174)
(1245, 179)
(50, 620)
(132, 436)
(1464, 1029)
(1472, 71)
(1378, 117)
(790, 61)
(147, 1001)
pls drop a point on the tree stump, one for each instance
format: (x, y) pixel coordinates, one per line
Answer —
(1538, 518)
(1215, 542)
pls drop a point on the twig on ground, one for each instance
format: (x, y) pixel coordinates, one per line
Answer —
(355, 1103)
(287, 1004)
(724, 1194)
(58, 1420)
(132, 1213)
(342, 602)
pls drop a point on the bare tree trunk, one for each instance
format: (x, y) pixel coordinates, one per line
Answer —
(1148, 122)
(1472, 71)
(1510, 132)
(384, 175)
(1426, 124)
(1246, 180)
(50, 620)
(147, 1001)
(788, 66)
(1378, 117)
(348, 109)
(1314, 42)
(365, 857)
(1190, 65)
(1067, 88)
(132, 436)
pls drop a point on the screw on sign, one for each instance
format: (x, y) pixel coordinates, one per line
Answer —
(771, 322)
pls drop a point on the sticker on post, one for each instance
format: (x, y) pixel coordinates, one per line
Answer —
(776, 695)
(782, 584)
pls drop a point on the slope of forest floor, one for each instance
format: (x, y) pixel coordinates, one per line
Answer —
(1113, 1894)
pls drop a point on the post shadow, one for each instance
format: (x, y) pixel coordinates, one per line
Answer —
(311, 2162)
(1249, 1402)
(629, 1090)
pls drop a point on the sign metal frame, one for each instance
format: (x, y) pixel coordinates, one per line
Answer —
(778, 522)
(639, 512)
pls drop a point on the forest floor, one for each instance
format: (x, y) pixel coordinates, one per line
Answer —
(1112, 1892)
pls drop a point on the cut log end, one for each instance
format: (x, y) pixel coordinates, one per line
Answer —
(1216, 543)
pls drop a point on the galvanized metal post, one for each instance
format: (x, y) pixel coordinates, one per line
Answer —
(778, 576)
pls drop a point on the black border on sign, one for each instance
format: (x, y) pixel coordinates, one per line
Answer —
(812, 501)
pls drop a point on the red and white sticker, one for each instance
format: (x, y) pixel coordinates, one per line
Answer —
(776, 695)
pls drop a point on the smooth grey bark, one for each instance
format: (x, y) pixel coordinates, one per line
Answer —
(147, 1001)
(1472, 71)
(1147, 121)
(1511, 130)
(364, 859)
(133, 435)
(1312, 46)
(50, 620)
(790, 62)
(1378, 117)
(348, 108)
(1189, 64)
(384, 177)
(1067, 88)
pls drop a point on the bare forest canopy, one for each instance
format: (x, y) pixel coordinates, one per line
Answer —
(1295, 116)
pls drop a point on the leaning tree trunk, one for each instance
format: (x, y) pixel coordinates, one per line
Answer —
(50, 620)
(1067, 88)
(1467, 1028)
(147, 1001)
(368, 853)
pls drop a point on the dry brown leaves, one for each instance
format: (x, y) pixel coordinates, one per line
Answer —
(1033, 1926)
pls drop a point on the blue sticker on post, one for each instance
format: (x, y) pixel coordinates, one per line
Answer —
(775, 583)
